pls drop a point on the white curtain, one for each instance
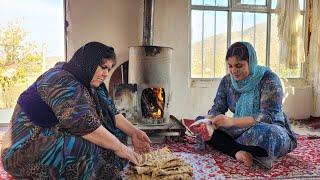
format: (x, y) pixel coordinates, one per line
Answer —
(289, 29)
(312, 46)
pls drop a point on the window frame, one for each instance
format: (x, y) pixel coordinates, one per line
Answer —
(5, 125)
(233, 7)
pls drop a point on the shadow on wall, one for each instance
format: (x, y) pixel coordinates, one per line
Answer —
(119, 76)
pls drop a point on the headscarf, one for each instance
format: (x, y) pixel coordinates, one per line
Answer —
(82, 65)
(86, 59)
(248, 103)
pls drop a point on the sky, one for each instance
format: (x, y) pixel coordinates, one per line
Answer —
(42, 19)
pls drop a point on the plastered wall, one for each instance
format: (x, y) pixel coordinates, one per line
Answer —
(119, 23)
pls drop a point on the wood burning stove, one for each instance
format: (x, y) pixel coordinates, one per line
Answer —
(145, 100)
(149, 69)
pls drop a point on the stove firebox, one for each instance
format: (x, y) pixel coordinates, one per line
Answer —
(149, 69)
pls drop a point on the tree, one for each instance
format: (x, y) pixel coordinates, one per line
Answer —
(20, 60)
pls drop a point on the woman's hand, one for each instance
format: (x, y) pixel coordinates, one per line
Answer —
(222, 121)
(140, 141)
(127, 153)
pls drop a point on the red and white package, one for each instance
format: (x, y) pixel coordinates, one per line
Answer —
(204, 128)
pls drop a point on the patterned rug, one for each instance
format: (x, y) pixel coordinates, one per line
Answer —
(302, 163)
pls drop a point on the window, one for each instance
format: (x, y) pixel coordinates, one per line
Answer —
(31, 42)
(215, 24)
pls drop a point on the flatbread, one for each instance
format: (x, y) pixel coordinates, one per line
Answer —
(160, 164)
(173, 170)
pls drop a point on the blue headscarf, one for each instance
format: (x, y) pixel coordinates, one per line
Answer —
(248, 103)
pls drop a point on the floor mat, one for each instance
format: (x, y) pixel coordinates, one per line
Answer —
(302, 163)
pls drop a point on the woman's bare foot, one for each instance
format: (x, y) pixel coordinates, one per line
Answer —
(244, 157)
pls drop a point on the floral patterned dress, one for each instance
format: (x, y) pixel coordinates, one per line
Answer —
(272, 132)
(59, 152)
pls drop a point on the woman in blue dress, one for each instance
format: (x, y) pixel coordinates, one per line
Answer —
(65, 126)
(259, 128)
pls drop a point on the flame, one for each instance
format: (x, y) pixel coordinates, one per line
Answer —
(159, 95)
(157, 114)
(153, 103)
(157, 111)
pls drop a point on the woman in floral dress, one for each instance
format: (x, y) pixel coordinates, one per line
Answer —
(259, 128)
(65, 126)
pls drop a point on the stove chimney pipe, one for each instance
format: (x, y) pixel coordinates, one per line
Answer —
(148, 23)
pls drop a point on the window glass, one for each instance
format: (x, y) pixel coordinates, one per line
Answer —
(254, 2)
(220, 39)
(31, 42)
(196, 44)
(216, 2)
(208, 44)
(211, 31)
(197, 2)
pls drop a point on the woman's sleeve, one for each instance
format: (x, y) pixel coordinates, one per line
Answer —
(271, 95)
(220, 105)
(71, 103)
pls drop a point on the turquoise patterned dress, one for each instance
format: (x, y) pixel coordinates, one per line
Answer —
(59, 152)
(272, 132)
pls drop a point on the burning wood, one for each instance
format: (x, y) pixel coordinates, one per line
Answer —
(152, 103)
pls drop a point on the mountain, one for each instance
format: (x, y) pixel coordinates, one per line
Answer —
(217, 68)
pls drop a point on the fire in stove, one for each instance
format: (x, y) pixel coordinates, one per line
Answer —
(149, 69)
(152, 103)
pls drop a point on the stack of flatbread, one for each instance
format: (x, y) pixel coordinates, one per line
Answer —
(160, 164)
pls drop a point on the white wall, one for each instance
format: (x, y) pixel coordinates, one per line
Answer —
(115, 23)
(297, 100)
(171, 29)
(119, 23)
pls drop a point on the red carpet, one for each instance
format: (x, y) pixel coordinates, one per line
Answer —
(302, 163)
